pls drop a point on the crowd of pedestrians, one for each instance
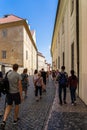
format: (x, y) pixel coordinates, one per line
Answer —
(19, 85)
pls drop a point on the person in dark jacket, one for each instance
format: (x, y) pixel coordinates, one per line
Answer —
(44, 76)
(72, 83)
(62, 81)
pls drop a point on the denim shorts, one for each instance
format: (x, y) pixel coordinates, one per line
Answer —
(13, 98)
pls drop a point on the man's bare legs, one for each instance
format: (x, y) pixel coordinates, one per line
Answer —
(16, 112)
(7, 111)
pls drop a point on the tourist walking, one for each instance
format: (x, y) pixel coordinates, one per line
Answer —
(62, 82)
(38, 85)
(72, 83)
(25, 82)
(1, 77)
(35, 76)
(14, 95)
(44, 75)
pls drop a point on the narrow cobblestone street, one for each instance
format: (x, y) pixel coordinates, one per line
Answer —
(47, 114)
(33, 115)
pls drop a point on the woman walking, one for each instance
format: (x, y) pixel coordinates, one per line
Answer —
(38, 87)
(25, 82)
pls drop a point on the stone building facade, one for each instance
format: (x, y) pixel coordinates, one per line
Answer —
(42, 63)
(16, 43)
(69, 41)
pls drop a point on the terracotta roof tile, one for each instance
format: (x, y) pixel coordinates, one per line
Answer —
(9, 18)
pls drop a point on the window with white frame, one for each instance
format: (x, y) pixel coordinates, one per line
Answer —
(72, 55)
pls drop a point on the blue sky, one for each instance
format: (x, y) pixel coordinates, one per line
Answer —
(40, 15)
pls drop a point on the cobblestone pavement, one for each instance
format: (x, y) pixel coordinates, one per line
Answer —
(33, 115)
(47, 114)
(67, 117)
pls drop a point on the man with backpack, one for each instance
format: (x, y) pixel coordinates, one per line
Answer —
(14, 95)
(62, 80)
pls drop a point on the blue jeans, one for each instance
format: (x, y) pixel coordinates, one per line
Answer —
(73, 93)
(62, 88)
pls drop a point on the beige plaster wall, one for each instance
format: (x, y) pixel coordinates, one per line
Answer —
(83, 49)
(12, 43)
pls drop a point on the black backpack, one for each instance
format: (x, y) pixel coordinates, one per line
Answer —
(4, 85)
(63, 78)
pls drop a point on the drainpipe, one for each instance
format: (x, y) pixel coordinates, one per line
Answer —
(77, 36)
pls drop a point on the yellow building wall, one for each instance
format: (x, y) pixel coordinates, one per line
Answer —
(83, 49)
(62, 42)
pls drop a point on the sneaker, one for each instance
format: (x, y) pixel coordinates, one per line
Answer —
(40, 97)
(15, 121)
(3, 125)
(44, 90)
(60, 103)
(37, 100)
(75, 103)
(65, 102)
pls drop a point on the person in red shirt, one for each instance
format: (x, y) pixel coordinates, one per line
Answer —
(72, 83)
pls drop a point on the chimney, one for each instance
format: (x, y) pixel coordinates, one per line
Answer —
(6, 15)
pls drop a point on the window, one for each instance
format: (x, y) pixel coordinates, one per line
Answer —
(4, 32)
(3, 54)
(63, 26)
(26, 55)
(72, 6)
(72, 56)
(63, 58)
(58, 37)
(58, 62)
